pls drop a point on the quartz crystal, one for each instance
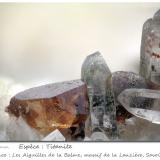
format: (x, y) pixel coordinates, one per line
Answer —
(53, 106)
(96, 74)
(54, 136)
(122, 80)
(150, 49)
(142, 103)
(138, 129)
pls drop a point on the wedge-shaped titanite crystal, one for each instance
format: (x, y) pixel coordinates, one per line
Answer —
(122, 80)
(143, 103)
(150, 49)
(53, 106)
(96, 74)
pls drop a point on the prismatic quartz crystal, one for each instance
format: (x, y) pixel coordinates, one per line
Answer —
(150, 49)
(62, 106)
(138, 129)
(143, 103)
(96, 74)
(122, 80)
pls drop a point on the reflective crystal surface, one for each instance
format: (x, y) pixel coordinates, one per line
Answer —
(54, 136)
(150, 49)
(122, 80)
(138, 129)
(96, 74)
(52, 106)
(142, 103)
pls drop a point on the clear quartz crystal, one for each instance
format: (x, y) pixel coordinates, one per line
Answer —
(96, 74)
(56, 135)
(138, 129)
(150, 49)
(122, 80)
(142, 103)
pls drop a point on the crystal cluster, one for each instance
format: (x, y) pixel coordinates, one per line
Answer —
(102, 106)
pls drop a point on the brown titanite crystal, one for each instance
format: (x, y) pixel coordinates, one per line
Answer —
(53, 106)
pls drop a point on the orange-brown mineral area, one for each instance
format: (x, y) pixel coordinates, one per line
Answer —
(53, 106)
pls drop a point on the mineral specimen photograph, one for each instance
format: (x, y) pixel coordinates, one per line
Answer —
(80, 72)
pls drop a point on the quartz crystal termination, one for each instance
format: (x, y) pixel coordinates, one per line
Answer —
(53, 106)
(150, 49)
(54, 136)
(96, 74)
(122, 80)
(130, 99)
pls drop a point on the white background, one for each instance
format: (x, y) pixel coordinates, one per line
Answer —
(42, 43)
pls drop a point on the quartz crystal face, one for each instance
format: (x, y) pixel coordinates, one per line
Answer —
(96, 74)
(54, 136)
(150, 49)
(143, 103)
(138, 129)
(122, 80)
(54, 106)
